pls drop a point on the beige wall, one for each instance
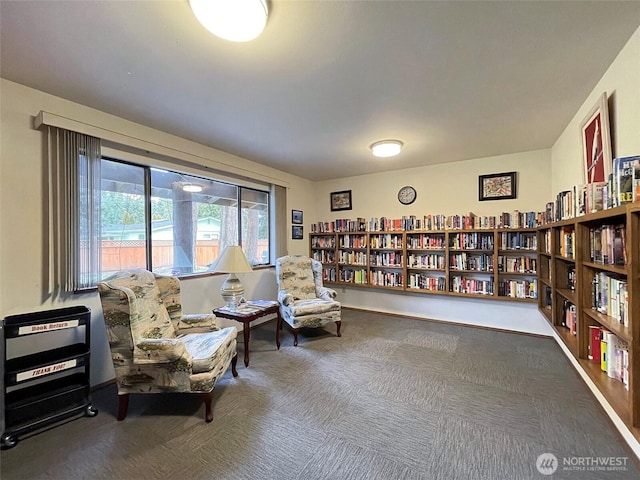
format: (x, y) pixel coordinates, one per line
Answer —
(448, 188)
(622, 84)
(23, 197)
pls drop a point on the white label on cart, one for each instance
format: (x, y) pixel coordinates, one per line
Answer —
(47, 327)
(38, 372)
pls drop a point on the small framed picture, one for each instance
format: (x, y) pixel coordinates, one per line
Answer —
(340, 200)
(497, 186)
(596, 143)
(296, 232)
(296, 217)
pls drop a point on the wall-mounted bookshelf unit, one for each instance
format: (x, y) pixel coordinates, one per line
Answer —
(589, 278)
(497, 263)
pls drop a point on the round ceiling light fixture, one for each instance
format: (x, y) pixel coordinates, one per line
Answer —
(386, 148)
(191, 188)
(234, 20)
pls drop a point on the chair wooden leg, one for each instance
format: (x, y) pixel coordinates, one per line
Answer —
(234, 361)
(208, 414)
(123, 406)
(295, 337)
(339, 324)
(278, 328)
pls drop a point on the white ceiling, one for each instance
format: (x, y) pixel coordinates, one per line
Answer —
(453, 80)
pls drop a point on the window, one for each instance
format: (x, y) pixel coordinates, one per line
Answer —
(175, 223)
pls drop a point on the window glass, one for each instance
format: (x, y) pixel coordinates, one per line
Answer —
(255, 225)
(192, 219)
(123, 229)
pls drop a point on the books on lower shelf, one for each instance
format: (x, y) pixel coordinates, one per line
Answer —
(518, 288)
(475, 286)
(610, 352)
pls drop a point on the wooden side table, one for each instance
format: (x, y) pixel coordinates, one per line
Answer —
(246, 313)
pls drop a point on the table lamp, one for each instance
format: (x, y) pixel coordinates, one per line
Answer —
(232, 260)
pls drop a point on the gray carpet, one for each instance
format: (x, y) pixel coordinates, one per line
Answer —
(394, 398)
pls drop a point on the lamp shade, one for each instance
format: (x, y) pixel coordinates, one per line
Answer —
(234, 20)
(232, 260)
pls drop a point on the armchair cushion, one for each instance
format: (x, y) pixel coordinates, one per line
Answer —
(300, 308)
(207, 349)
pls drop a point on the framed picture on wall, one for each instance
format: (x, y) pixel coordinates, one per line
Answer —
(596, 143)
(297, 232)
(296, 217)
(497, 186)
(340, 200)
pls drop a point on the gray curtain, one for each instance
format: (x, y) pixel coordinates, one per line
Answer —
(279, 234)
(74, 210)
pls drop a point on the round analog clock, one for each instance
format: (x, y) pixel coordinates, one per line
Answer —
(407, 195)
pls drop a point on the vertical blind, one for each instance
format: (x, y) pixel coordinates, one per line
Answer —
(74, 210)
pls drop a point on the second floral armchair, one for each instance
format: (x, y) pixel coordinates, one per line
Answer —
(304, 300)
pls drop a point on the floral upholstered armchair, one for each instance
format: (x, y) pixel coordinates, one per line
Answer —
(304, 301)
(154, 347)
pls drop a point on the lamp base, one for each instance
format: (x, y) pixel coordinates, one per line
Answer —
(232, 292)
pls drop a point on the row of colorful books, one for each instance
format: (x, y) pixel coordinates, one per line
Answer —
(622, 186)
(611, 352)
(427, 260)
(522, 264)
(518, 288)
(607, 245)
(478, 263)
(610, 296)
(514, 219)
(423, 282)
(518, 241)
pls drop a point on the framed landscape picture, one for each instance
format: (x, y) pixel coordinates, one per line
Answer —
(296, 217)
(297, 232)
(497, 186)
(340, 200)
(596, 143)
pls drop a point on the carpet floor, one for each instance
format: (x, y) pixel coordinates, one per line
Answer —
(393, 398)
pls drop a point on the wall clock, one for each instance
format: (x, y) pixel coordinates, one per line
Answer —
(407, 195)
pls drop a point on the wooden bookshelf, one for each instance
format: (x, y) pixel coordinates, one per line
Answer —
(598, 270)
(497, 264)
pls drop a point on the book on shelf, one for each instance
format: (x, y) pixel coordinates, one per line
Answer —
(580, 200)
(603, 350)
(595, 332)
(636, 181)
(597, 195)
(546, 303)
(623, 178)
(569, 317)
(571, 277)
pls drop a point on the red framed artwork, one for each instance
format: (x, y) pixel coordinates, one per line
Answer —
(596, 143)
